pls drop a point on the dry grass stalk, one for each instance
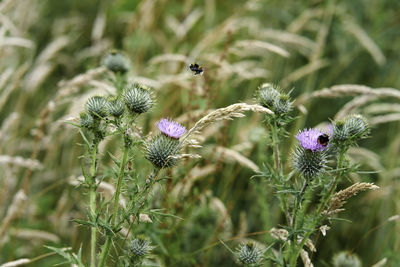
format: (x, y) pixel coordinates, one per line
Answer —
(339, 198)
(256, 44)
(34, 234)
(290, 38)
(365, 41)
(25, 261)
(16, 263)
(71, 86)
(168, 58)
(353, 105)
(13, 211)
(182, 188)
(20, 161)
(380, 263)
(279, 234)
(306, 259)
(304, 71)
(355, 89)
(227, 113)
(379, 108)
(229, 155)
(385, 118)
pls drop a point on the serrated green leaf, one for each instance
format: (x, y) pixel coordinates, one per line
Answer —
(83, 222)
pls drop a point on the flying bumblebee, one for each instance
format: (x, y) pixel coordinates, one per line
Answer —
(196, 69)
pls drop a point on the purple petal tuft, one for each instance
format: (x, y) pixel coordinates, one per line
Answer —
(308, 139)
(171, 128)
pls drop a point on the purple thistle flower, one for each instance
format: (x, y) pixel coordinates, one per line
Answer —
(309, 139)
(171, 128)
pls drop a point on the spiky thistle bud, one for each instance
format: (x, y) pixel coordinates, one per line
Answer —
(96, 106)
(357, 126)
(86, 120)
(267, 95)
(115, 107)
(352, 128)
(309, 158)
(249, 253)
(116, 62)
(282, 104)
(163, 149)
(140, 246)
(346, 259)
(138, 99)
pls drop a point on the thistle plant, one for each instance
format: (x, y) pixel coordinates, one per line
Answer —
(318, 162)
(116, 115)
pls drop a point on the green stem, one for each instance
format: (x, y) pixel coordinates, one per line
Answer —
(92, 204)
(114, 216)
(275, 146)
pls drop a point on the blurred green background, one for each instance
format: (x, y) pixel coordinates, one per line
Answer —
(51, 54)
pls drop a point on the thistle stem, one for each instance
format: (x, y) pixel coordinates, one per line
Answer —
(114, 216)
(92, 204)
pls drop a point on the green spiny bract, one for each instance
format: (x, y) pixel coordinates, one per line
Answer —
(267, 95)
(249, 253)
(116, 62)
(346, 259)
(308, 163)
(115, 107)
(96, 106)
(138, 99)
(160, 151)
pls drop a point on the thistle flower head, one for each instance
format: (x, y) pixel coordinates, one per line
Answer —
(249, 253)
(138, 99)
(346, 259)
(308, 163)
(171, 128)
(116, 62)
(96, 106)
(140, 246)
(310, 139)
(161, 151)
(115, 107)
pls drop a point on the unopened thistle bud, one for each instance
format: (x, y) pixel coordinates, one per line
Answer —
(96, 106)
(115, 107)
(309, 158)
(140, 247)
(267, 95)
(138, 99)
(86, 120)
(282, 104)
(163, 149)
(116, 62)
(357, 126)
(346, 259)
(351, 128)
(249, 253)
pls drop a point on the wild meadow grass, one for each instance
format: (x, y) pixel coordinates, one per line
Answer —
(283, 151)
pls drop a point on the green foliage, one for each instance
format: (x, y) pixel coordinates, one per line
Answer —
(55, 59)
